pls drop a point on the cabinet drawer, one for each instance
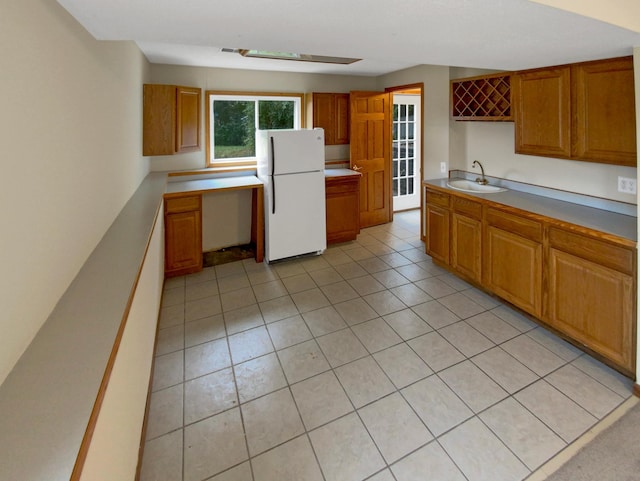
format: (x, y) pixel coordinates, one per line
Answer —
(437, 198)
(339, 185)
(603, 253)
(527, 228)
(468, 207)
(182, 204)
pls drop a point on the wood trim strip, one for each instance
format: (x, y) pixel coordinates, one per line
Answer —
(636, 390)
(76, 474)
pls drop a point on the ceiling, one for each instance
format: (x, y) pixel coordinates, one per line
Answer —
(387, 36)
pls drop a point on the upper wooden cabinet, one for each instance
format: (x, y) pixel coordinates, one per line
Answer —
(171, 119)
(604, 111)
(330, 111)
(543, 112)
(487, 97)
(582, 111)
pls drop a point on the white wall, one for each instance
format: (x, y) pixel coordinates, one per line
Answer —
(492, 143)
(70, 132)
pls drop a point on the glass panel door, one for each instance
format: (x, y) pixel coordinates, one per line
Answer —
(406, 152)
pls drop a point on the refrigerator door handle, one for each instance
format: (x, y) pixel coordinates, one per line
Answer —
(273, 179)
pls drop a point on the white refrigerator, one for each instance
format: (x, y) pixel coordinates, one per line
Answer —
(291, 165)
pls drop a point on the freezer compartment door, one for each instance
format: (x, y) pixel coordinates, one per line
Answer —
(296, 224)
(293, 151)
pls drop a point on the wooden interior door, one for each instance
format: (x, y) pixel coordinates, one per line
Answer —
(371, 154)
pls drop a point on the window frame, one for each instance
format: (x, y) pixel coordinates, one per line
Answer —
(211, 95)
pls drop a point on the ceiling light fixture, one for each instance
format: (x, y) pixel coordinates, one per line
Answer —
(299, 57)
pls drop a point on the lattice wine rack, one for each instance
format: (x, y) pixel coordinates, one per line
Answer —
(482, 98)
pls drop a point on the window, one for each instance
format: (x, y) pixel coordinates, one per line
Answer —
(232, 120)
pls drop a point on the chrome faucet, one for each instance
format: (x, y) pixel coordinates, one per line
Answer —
(483, 180)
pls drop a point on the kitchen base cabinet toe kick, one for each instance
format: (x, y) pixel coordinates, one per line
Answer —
(578, 281)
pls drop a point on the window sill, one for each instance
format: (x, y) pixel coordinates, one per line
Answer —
(213, 170)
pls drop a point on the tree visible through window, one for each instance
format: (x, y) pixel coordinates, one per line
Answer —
(233, 121)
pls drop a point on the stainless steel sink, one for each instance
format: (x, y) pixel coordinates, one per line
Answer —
(471, 186)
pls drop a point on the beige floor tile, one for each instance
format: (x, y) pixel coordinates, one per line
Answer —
(461, 305)
(394, 427)
(336, 257)
(435, 314)
(410, 294)
(435, 287)
(384, 302)
(165, 411)
(402, 365)
(326, 276)
(323, 321)
(209, 395)
(530, 440)
(561, 414)
(242, 472)
(233, 282)
(277, 309)
(206, 274)
(391, 278)
(482, 298)
(162, 459)
(430, 459)
(366, 285)
(437, 405)
(533, 355)
(298, 283)
(170, 339)
(350, 270)
(206, 358)
(310, 300)
(615, 381)
(339, 292)
(505, 370)
(193, 292)
(513, 317)
(480, 455)
(302, 361)
(214, 445)
(341, 347)
(355, 311)
(171, 316)
(407, 324)
(345, 450)
(173, 297)
(259, 376)
(454, 281)
(293, 460)
(395, 259)
(174, 283)
(376, 264)
(168, 370)
(237, 299)
(382, 476)
(466, 339)
(321, 399)
(262, 275)
(250, 344)
(436, 351)
(205, 307)
(556, 345)
(204, 330)
(493, 327)
(271, 420)
(314, 263)
(243, 319)
(289, 268)
(376, 335)
(288, 332)
(229, 269)
(473, 386)
(413, 272)
(364, 381)
(269, 290)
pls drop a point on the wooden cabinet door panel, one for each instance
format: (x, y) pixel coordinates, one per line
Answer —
(437, 240)
(466, 234)
(543, 112)
(183, 243)
(341, 118)
(593, 304)
(604, 128)
(188, 119)
(513, 269)
(342, 208)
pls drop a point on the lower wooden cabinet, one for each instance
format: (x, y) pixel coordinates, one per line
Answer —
(466, 238)
(589, 301)
(437, 217)
(342, 208)
(183, 235)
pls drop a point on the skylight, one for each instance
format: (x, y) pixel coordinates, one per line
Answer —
(300, 57)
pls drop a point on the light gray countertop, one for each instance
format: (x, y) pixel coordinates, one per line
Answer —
(340, 172)
(620, 225)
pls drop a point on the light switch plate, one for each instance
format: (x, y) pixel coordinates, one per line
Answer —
(443, 167)
(627, 185)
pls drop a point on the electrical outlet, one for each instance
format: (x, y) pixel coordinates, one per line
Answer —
(627, 185)
(443, 167)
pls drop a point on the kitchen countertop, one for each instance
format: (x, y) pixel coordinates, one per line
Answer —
(619, 225)
(340, 172)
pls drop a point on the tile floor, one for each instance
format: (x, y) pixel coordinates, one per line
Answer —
(368, 362)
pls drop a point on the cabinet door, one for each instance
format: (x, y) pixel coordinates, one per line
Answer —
(466, 245)
(188, 119)
(437, 241)
(604, 129)
(183, 236)
(343, 208)
(331, 112)
(159, 111)
(341, 119)
(542, 101)
(592, 304)
(513, 269)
